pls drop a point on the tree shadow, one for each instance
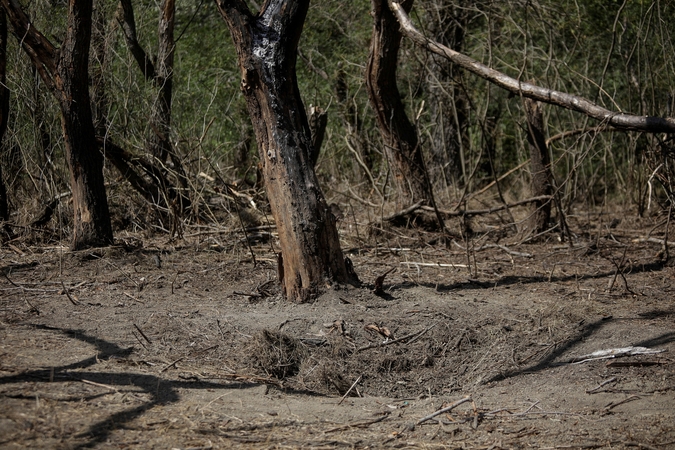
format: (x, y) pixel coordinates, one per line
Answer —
(550, 360)
(511, 280)
(161, 391)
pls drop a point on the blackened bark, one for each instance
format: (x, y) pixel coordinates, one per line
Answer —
(65, 72)
(398, 132)
(266, 47)
(540, 163)
(4, 109)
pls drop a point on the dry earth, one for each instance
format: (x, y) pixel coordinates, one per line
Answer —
(187, 344)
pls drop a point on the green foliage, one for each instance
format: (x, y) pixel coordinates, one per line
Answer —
(617, 54)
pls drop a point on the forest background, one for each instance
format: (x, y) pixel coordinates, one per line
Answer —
(473, 134)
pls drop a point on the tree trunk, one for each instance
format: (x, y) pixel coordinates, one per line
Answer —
(540, 163)
(398, 133)
(99, 52)
(4, 109)
(158, 144)
(66, 73)
(266, 47)
(160, 119)
(92, 219)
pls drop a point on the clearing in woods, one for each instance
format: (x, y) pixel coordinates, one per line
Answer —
(188, 344)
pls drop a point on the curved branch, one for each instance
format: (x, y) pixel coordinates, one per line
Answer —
(550, 96)
(37, 46)
(128, 24)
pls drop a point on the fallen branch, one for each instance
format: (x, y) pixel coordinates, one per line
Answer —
(591, 391)
(626, 400)
(476, 212)
(350, 389)
(444, 410)
(362, 424)
(172, 364)
(404, 212)
(143, 334)
(654, 241)
(68, 294)
(395, 341)
(502, 247)
(421, 264)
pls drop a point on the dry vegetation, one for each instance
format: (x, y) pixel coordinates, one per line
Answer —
(178, 336)
(187, 343)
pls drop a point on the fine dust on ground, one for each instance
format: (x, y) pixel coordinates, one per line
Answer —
(188, 344)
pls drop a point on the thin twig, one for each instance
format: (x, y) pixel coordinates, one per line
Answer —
(444, 410)
(358, 424)
(133, 298)
(172, 364)
(68, 294)
(350, 389)
(395, 341)
(143, 334)
(364, 167)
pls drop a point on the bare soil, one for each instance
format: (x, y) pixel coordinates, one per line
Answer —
(155, 343)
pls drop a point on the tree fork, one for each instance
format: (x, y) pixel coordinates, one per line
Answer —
(266, 46)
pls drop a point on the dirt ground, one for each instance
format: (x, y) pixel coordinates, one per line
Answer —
(184, 344)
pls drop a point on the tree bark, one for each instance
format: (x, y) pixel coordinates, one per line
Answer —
(65, 72)
(4, 109)
(528, 90)
(540, 164)
(401, 143)
(266, 47)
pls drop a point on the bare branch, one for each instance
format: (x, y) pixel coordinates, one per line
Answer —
(550, 96)
(128, 24)
(37, 46)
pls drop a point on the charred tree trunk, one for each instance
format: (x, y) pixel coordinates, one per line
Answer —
(398, 132)
(266, 46)
(66, 73)
(4, 109)
(540, 162)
